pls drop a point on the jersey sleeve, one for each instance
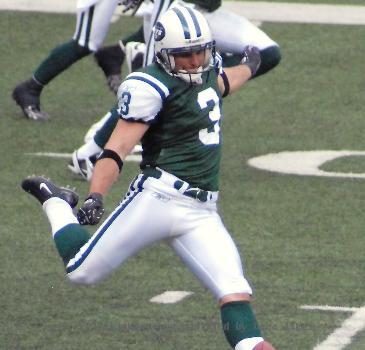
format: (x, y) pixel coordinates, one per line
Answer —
(140, 97)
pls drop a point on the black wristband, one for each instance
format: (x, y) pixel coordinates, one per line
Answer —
(108, 153)
(226, 84)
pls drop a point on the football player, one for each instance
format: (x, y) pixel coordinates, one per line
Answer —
(93, 20)
(231, 33)
(174, 107)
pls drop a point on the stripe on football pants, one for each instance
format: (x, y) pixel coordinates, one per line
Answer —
(134, 189)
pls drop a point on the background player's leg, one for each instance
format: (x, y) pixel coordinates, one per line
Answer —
(110, 59)
(160, 6)
(91, 28)
(83, 159)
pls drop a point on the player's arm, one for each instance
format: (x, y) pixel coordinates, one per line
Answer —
(232, 78)
(139, 101)
(108, 166)
(124, 137)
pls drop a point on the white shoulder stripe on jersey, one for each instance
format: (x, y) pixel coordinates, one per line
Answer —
(152, 81)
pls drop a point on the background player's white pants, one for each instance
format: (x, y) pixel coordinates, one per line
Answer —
(93, 23)
(230, 31)
(155, 211)
(160, 7)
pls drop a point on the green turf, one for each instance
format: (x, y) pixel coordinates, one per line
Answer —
(354, 164)
(302, 237)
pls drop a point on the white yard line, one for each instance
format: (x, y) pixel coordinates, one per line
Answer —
(298, 13)
(329, 308)
(255, 11)
(342, 336)
(170, 297)
(130, 158)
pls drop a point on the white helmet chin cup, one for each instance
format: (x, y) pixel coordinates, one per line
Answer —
(182, 29)
(189, 77)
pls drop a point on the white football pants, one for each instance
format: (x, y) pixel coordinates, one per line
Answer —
(230, 31)
(152, 211)
(93, 23)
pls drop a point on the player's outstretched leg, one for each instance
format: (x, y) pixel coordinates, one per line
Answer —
(43, 189)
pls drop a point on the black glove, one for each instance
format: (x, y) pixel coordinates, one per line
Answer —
(251, 58)
(92, 210)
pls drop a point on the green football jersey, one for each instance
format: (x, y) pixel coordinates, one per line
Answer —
(184, 135)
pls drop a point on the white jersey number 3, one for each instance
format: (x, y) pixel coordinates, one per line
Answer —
(209, 98)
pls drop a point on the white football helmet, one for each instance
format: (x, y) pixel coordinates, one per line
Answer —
(182, 30)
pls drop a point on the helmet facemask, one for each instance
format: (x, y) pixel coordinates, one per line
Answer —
(194, 77)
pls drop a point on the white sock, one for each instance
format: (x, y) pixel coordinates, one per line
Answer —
(59, 213)
(248, 344)
(88, 149)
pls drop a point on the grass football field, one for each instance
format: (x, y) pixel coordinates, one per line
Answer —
(301, 237)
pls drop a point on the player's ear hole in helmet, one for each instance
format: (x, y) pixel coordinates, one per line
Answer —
(182, 31)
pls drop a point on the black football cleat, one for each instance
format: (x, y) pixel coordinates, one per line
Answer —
(27, 97)
(44, 189)
(113, 82)
(110, 60)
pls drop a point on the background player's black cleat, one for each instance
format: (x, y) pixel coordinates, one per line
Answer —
(110, 60)
(44, 189)
(27, 96)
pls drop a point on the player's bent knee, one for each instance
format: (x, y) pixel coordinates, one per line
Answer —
(88, 272)
(81, 50)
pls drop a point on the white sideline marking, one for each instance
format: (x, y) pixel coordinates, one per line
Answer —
(342, 336)
(130, 158)
(298, 13)
(170, 297)
(304, 163)
(329, 308)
